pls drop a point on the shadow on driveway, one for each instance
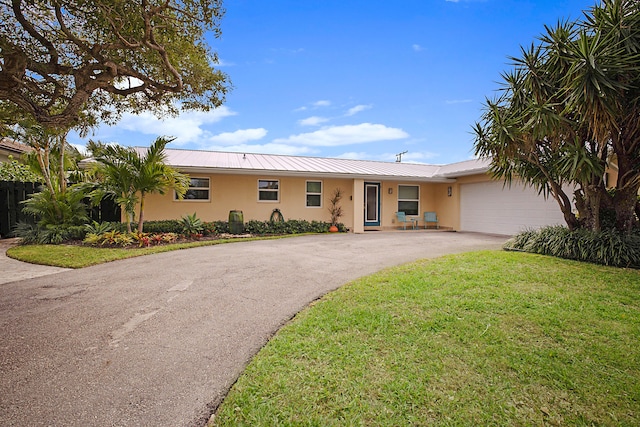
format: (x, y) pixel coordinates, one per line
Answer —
(160, 339)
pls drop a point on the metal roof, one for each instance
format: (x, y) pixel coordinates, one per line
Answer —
(196, 161)
(13, 146)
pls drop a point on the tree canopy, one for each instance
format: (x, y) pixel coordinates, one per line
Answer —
(75, 63)
(569, 109)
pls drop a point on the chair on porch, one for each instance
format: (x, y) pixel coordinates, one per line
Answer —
(431, 218)
(402, 218)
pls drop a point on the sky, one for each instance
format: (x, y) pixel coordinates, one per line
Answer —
(358, 79)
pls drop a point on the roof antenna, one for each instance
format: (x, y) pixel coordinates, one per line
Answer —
(399, 156)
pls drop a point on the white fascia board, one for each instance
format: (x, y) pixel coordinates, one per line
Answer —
(269, 172)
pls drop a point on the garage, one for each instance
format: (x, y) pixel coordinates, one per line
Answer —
(489, 207)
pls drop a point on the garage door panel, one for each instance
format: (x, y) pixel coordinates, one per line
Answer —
(489, 207)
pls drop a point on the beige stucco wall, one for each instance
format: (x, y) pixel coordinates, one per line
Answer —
(240, 192)
(4, 156)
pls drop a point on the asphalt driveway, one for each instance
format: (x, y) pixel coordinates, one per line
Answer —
(159, 340)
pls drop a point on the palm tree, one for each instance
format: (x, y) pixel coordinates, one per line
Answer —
(129, 175)
(155, 176)
(572, 103)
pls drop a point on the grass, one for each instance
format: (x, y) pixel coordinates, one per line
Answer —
(486, 338)
(77, 256)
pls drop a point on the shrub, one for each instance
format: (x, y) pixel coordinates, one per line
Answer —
(49, 234)
(124, 239)
(607, 247)
(164, 226)
(191, 225)
(98, 227)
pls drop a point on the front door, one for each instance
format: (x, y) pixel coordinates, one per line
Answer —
(371, 203)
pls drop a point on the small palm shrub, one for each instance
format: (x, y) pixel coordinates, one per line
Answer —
(606, 247)
(98, 227)
(59, 217)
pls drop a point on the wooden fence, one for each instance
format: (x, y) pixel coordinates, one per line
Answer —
(11, 194)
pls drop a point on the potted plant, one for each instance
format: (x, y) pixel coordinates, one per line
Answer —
(335, 209)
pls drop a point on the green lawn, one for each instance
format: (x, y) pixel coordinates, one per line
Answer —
(77, 256)
(486, 338)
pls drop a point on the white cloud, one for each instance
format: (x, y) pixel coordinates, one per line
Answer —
(269, 148)
(357, 109)
(222, 63)
(185, 128)
(458, 101)
(318, 104)
(128, 82)
(312, 121)
(345, 135)
(238, 137)
(81, 148)
(418, 156)
(410, 157)
(417, 47)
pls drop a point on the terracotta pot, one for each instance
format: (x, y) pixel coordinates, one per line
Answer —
(333, 229)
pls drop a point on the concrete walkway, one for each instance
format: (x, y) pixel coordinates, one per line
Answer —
(12, 270)
(159, 340)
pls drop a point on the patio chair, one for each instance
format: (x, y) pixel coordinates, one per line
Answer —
(431, 218)
(402, 218)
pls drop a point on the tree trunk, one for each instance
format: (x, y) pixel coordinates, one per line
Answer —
(61, 172)
(626, 195)
(141, 218)
(565, 205)
(625, 202)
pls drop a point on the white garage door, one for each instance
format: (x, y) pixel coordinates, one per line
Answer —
(488, 207)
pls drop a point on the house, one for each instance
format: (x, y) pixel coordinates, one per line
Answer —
(8, 147)
(463, 194)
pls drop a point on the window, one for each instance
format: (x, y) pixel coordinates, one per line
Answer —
(198, 189)
(408, 199)
(314, 194)
(268, 191)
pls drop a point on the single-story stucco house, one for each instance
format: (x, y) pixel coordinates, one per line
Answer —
(463, 194)
(9, 147)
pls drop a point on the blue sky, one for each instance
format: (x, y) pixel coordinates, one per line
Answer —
(362, 79)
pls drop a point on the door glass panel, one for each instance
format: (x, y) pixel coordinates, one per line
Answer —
(372, 203)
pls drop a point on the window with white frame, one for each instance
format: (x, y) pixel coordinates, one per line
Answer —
(198, 190)
(314, 194)
(409, 199)
(268, 190)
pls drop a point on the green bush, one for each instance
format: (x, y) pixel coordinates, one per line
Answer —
(49, 234)
(164, 226)
(292, 226)
(606, 247)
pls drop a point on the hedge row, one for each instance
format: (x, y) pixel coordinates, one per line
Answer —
(606, 247)
(292, 226)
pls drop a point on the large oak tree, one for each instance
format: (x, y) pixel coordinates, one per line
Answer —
(78, 62)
